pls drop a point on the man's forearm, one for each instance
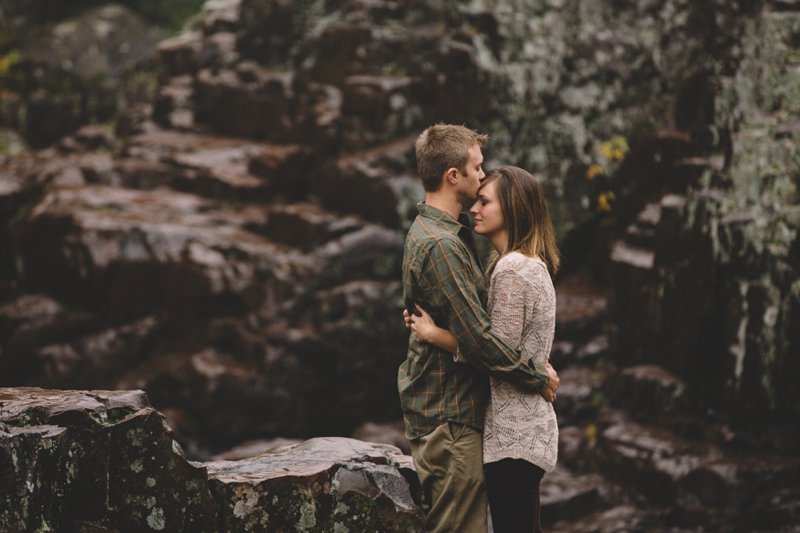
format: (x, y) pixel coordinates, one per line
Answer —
(493, 356)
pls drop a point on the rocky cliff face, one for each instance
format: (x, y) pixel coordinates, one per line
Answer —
(233, 248)
(706, 277)
(286, 247)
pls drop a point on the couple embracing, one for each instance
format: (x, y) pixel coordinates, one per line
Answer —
(477, 388)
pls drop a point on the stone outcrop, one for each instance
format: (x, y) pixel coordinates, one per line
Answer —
(107, 461)
(73, 458)
(690, 403)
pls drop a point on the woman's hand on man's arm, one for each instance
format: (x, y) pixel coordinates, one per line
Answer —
(553, 382)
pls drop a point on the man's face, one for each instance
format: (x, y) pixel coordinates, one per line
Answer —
(470, 180)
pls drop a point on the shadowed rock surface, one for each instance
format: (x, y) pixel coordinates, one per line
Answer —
(638, 452)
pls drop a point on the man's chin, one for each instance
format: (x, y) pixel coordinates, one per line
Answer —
(467, 200)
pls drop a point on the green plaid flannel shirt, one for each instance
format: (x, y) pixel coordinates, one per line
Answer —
(442, 274)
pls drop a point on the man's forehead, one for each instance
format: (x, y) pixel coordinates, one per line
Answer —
(476, 153)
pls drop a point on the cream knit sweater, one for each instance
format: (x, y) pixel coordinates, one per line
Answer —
(522, 304)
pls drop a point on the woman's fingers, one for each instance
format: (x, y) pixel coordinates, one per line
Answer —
(406, 318)
(422, 311)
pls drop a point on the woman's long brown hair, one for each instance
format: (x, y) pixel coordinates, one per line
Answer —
(525, 213)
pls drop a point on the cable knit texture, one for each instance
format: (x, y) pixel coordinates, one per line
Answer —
(522, 304)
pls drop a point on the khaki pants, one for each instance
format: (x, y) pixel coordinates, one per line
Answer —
(449, 463)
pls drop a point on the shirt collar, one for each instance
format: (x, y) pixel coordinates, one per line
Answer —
(443, 218)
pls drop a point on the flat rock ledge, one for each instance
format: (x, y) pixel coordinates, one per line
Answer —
(106, 461)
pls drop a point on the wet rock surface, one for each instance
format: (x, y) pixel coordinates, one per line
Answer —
(107, 461)
(323, 484)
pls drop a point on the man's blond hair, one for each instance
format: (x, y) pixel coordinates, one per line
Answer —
(443, 146)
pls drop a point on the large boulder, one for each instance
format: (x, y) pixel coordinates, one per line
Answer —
(106, 461)
(105, 42)
(323, 484)
(79, 457)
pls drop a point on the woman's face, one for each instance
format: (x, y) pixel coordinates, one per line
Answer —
(486, 211)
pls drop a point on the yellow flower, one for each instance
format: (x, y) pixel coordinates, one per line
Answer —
(605, 200)
(621, 148)
(620, 142)
(605, 150)
(594, 170)
(614, 149)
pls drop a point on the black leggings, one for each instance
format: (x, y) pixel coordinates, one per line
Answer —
(513, 487)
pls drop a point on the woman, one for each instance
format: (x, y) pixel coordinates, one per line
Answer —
(521, 433)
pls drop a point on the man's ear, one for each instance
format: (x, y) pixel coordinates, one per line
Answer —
(451, 175)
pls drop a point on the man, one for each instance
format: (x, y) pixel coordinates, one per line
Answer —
(444, 402)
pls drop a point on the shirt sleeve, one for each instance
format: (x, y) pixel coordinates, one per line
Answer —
(451, 288)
